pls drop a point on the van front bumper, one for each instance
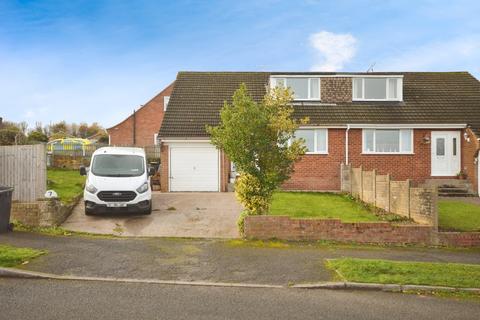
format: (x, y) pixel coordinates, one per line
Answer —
(142, 202)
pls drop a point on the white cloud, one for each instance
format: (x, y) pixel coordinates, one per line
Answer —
(462, 53)
(333, 50)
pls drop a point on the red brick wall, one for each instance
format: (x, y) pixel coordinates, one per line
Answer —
(285, 228)
(320, 171)
(459, 239)
(224, 172)
(164, 168)
(148, 120)
(469, 152)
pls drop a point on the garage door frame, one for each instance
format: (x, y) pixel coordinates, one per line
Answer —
(192, 144)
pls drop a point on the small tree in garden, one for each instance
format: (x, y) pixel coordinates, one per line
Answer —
(259, 139)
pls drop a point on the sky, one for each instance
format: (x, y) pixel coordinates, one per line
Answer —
(86, 61)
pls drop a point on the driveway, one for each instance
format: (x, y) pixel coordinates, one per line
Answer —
(205, 215)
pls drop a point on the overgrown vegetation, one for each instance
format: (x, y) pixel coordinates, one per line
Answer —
(67, 183)
(401, 272)
(458, 216)
(259, 139)
(13, 256)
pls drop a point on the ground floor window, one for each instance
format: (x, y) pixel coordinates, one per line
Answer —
(316, 140)
(387, 141)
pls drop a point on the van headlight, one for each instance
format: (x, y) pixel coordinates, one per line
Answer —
(143, 188)
(91, 188)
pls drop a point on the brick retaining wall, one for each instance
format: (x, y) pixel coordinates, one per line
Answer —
(286, 228)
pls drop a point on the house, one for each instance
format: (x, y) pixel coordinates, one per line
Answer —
(412, 125)
(141, 127)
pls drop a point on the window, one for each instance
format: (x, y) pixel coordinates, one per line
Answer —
(316, 140)
(387, 141)
(303, 88)
(155, 138)
(166, 99)
(372, 88)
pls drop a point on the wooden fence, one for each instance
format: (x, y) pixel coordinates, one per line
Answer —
(25, 169)
(399, 197)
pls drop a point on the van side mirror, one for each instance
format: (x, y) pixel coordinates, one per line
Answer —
(83, 171)
(151, 171)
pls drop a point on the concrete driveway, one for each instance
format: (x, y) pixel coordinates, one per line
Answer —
(205, 215)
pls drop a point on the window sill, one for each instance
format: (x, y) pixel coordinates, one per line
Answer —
(316, 153)
(389, 153)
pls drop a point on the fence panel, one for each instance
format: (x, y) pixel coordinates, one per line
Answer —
(25, 169)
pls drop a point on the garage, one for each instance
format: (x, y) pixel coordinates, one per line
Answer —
(193, 167)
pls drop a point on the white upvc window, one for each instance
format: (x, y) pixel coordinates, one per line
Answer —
(166, 99)
(377, 88)
(155, 138)
(316, 140)
(303, 88)
(387, 141)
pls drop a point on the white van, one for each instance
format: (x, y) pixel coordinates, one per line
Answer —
(118, 179)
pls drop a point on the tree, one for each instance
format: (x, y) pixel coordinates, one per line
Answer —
(259, 139)
(37, 136)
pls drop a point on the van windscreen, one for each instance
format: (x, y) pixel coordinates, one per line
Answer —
(118, 165)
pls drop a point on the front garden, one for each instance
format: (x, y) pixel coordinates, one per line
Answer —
(66, 182)
(455, 215)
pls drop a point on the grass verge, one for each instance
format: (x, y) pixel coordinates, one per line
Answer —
(13, 256)
(401, 272)
(67, 183)
(59, 231)
(458, 216)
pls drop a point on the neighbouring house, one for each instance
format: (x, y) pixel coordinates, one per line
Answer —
(141, 127)
(423, 126)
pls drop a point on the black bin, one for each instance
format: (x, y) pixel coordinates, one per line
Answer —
(5, 206)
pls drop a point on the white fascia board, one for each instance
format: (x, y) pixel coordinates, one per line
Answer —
(336, 76)
(410, 126)
(186, 140)
(322, 127)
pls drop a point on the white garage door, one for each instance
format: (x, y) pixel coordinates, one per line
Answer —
(193, 167)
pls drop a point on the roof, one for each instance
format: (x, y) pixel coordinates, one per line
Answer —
(428, 98)
(120, 151)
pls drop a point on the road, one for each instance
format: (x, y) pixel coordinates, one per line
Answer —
(55, 299)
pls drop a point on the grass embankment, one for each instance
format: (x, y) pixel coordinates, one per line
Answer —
(402, 272)
(320, 205)
(13, 256)
(458, 216)
(67, 183)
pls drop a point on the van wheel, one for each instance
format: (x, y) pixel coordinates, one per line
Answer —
(148, 211)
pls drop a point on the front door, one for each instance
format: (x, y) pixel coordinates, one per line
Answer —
(445, 153)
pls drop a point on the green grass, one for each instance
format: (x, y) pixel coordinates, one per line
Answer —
(458, 216)
(13, 256)
(67, 183)
(320, 205)
(400, 272)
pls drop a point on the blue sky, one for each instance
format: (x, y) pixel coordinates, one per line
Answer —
(99, 60)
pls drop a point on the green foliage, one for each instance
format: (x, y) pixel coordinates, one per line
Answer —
(37, 136)
(12, 256)
(458, 216)
(259, 139)
(405, 272)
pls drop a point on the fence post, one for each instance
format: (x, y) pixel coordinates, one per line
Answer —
(374, 187)
(361, 183)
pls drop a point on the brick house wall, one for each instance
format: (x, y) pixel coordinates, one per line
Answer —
(322, 172)
(469, 154)
(148, 120)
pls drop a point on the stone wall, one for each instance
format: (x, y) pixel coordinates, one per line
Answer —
(42, 213)
(399, 197)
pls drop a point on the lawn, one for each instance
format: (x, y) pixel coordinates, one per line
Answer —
(458, 216)
(400, 272)
(67, 183)
(12, 256)
(320, 205)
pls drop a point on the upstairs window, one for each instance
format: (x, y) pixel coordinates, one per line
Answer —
(387, 141)
(303, 88)
(377, 88)
(166, 99)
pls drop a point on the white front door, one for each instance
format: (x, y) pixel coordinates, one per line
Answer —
(445, 153)
(194, 167)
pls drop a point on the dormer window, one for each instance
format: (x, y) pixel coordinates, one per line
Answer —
(303, 88)
(377, 88)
